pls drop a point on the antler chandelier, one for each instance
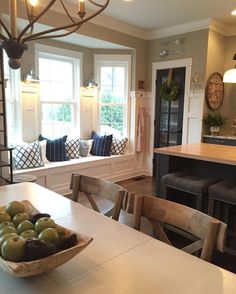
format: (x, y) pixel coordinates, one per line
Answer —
(14, 42)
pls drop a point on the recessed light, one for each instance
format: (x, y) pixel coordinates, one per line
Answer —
(233, 12)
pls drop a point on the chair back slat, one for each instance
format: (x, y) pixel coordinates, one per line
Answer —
(209, 230)
(91, 187)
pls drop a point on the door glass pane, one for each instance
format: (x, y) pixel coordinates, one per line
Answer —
(174, 106)
(163, 139)
(164, 105)
(164, 122)
(173, 122)
(172, 139)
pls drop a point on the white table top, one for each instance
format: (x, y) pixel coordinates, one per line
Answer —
(119, 260)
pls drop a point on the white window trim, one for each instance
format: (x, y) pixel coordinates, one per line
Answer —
(15, 101)
(67, 55)
(114, 59)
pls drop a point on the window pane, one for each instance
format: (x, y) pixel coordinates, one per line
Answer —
(113, 100)
(106, 76)
(56, 119)
(58, 89)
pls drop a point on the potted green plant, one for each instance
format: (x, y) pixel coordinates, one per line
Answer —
(214, 121)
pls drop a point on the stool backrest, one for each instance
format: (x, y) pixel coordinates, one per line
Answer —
(91, 187)
(210, 231)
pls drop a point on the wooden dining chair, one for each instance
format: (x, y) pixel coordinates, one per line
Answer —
(94, 188)
(210, 232)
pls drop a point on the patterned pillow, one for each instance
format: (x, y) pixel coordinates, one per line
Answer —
(72, 148)
(27, 156)
(118, 146)
(55, 149)
(101, 144)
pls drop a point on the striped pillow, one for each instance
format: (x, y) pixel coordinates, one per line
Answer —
(55, 149)
(101, 145)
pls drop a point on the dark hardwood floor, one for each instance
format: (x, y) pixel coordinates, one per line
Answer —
(146, 185)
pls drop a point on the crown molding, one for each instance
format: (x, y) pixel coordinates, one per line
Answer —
(119, 26)
(221, 28)
(180, 29)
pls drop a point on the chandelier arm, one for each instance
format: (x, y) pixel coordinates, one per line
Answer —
(31, 23)
(52, 36)
(66, 11)
(5, 29)
(3, 38)
(27, 10)
(79, 23)
(94, 3)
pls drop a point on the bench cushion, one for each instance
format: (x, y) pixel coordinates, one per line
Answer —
(223, 191)
(188, 182)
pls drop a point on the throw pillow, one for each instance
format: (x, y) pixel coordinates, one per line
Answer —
(101, 144)
(85, 147)
(72, 148)
(43, 145)
(27, 156)
(118, 146)
(55, 149)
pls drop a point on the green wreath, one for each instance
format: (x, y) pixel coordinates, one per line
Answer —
(169, 92)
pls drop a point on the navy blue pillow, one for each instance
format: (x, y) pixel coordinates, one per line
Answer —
(55, 149)
(101, 145)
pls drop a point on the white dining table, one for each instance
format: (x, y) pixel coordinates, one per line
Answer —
(119, 260)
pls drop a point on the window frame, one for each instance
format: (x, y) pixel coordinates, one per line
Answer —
(14, 100)
(77, 60)
(123, 60)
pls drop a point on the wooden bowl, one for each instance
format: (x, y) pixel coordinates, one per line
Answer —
(39, 266)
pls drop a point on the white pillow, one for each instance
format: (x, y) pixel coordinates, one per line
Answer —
(43, 145)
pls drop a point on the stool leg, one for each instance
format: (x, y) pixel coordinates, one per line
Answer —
(199, 203)
(211, 207)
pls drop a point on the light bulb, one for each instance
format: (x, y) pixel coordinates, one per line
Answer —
(33, 2)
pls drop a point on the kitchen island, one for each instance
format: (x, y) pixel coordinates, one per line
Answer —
(217, 162)
(207, 159)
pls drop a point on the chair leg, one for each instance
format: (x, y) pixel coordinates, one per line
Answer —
(199, 203)
(211, 207)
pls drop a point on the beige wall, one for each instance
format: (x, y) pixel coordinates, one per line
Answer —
(229, 105)
(139, 46)
(194, 46)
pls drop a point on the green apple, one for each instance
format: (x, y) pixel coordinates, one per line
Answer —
(13, 249)
(44, 223)
(7, 223)
(61, 231)
(4, 216)
(20, 217)
(5, 237)
(6, 229)
(28, 234)
(49, 236)
(14, 208)
(25, 226)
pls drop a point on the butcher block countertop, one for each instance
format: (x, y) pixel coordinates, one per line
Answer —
(202, 151)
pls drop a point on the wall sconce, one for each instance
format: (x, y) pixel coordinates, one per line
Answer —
(230, 75)
(31, 77)
(91, 83)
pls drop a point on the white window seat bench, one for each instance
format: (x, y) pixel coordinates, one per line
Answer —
(56, 175)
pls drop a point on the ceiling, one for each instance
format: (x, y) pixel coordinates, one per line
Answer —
(158, 14)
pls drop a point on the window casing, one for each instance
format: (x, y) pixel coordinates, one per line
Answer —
(60, 75)
(12, 96)
(113, 76)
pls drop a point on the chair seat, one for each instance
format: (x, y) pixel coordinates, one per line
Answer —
(224, 191)
(188, 182)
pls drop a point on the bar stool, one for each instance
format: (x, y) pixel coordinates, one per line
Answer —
(222, 204)
(190, 183)
(223, 192)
